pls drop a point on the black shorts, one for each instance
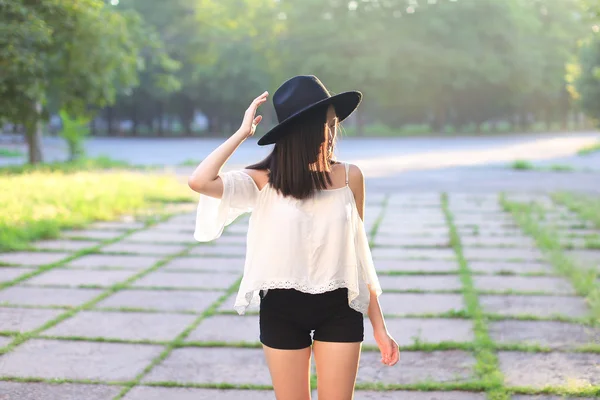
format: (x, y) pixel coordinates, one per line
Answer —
(288, 316)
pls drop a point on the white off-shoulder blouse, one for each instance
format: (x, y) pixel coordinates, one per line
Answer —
(314, 245)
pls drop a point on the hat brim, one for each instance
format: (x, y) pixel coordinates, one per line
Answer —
(344, 103)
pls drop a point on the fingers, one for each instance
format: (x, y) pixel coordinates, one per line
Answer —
(391, 355)
(257, 120)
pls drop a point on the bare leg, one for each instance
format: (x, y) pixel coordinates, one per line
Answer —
(290, 372)
(337, 365)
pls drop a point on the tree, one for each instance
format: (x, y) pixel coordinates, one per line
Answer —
(75, 54)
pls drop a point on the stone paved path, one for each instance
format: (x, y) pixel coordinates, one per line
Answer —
(119, 305)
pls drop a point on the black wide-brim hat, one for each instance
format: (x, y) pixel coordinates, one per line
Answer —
(301, 94)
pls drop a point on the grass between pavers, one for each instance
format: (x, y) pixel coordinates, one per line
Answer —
(584, 280)
(585, 206)
(23, 337)
(487, 366)
(47, 267)
(375, 228)
(180, 339)
(567, 390)
(38, 204)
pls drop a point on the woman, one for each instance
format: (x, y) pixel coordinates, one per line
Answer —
(308, 263)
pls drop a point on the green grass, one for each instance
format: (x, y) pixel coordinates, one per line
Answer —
(583, 279)
(593, 148)
(10, 153)
(37, 204)
(487, 366)
(522, 165)
(585, 206)
(190, 163)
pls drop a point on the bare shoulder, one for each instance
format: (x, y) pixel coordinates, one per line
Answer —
(260, 177)
(356, 178)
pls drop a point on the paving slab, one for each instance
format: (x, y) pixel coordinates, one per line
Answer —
(51, 391)
(160, 236)
(500, 267)
(237, 228)
(431, 266)
(420, 282)
(37, 296)
(416, 395)
(416, 303)
(162, 393)
(162, 300)
(219, 250)
(414, 241)
(539, 370)
(503, 254)
(117, 225)
(100, 234)
(501, 231)
(590, 258)
(114, 261)
(497, 241)
(65, 245)
(25, 319)
(227, 328)
(412, 253)
(542, 397)
(548, 284)
(8, 274)
(411, 231)
(60, 359)
(237, 240)
(417, 366)
(123, 325)
(212, 365)
(5, 341)
(73, 277)
(143, 248)
(554, 334)
(216, 264)
(177, 227)
(34, 259)
(198, 280)
(543, 306)
(427, 330)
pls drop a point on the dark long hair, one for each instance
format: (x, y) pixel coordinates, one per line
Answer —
(300, 162)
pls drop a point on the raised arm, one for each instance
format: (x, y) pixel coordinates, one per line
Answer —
(387, 345)
(205, 179)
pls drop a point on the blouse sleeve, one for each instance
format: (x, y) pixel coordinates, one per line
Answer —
(213, 215)
(365, 259)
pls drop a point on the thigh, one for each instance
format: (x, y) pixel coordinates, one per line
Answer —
(290, 372)
(337, 365)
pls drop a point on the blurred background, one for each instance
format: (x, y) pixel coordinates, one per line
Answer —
(189, 68)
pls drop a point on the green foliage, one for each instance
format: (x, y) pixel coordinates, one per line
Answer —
(67, 54)
(10, 153)
(74, 131)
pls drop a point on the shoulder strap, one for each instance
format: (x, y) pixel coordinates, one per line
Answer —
(347, 172)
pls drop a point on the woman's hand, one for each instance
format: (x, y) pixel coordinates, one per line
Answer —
(250, 121)
(390, 353)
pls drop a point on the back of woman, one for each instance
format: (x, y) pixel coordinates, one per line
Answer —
(308, 266)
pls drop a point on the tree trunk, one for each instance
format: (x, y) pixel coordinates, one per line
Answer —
(109, 122)
(161, 119)
(33, 134)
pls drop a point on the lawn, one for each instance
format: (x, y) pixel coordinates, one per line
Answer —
(39, 202)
